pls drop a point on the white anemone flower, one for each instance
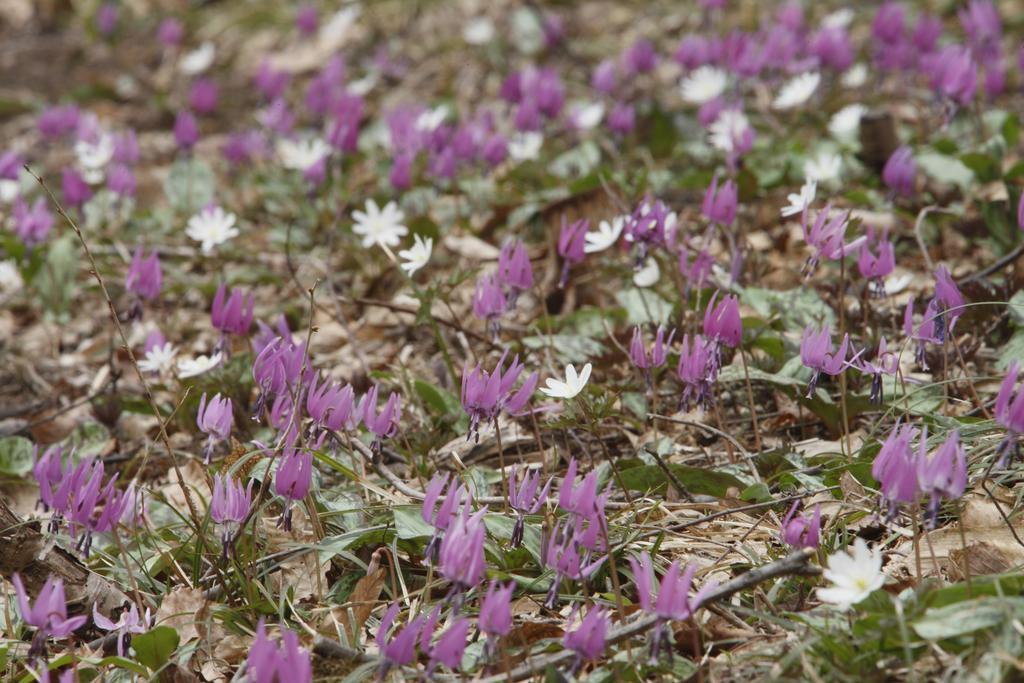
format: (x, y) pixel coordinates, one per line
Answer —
(845, 123)
(572, 385)
(841, 18)
(479, 31)
(797, 90)
(160, 358)
(380, 226)
(10, 276)
(606, 235)
(704, 84)
(211, 227)
(648, 275)
(300, 155)
(728, 129)
(586, 115)
(525, 146)
(193, 367)
(799, 202)
(429, 120)
(417, 255)
(824, 168)
(93, 157)
(853, 577)
(199, 60)
(855, 76)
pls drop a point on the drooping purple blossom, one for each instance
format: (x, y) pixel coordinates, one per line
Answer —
(74, 188)
(215, 419)
(383, 423)
(515, 273)
(696, 371)
(128, 622)
(58, 121)
(673, 602)
(144, 278)
(400, 649)
(603, 79)
(801, 531)
(886, 362)
(229, 506)
(949, 302)
(877, 267)
(271, 82)
(106, 19)
(489, 302)
(461, 555)
(953, 74)
(449, 646)
(622, 118)
(895, 469)
(984, 29)
(525, 499)
(943, 475)
(307, 19)
(332, 406)
(484, 395)
(293, 479)
(587, 640)
(640, 58)
(121, 180)
(571, 243)
(203, 96)
(49, 615)
(270, 662)
(694, 50)
(652, 224)
(32, 225)
(833, 48)
(186, 130)
(562, 555)
(816, 353)
(232, 314)
(826, 237)
(722, 325)
(719, 205)
(440, 516)
(1009, 413)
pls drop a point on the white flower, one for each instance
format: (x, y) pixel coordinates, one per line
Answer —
(211, 227)
(855, 76)
(854, 577)
(417, 255)
(728, 129)
(704, 84)
(93, 157)
(334, 29)
(797, 90)
(841, 18)
(479, 31)
(9, 190)
(363, 85)
(160, 359)
(300, 155)
(199, 60)
(572, 385)
(10, 276)
(432, 118)
(798, 202)
(586, 115)
(845, 123)
(525, 146)
(606, 236)
(191, 367)
(824, 168)
(648, 275)
(378, 226)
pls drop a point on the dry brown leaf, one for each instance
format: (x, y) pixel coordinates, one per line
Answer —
(182, 610)
(361, 602)
(981, 558)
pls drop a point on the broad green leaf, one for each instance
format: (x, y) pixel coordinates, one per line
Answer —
(945, 169)
(190, 185)
(966, 617)
(569, 348)
(577, 162)
(985, 167)
(797, 308)
(643, 306)
(409, 522)
(15, 456)
(437, 399)
(695, 479)
(155, 647)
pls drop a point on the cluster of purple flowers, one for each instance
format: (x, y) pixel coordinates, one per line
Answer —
(485, 395)
(76, 494)
(285, 661)
(673, 602)
(496, 293)
(904, 474)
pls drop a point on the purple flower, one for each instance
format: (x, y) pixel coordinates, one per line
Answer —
(271, 82)
(825, 237)
(562, 554)
(440, 516)
(233, 315)
(203, 95)
(581, 500)
(269, 662)
(833, 48)
(76, 191)
(145, 277)
(949, 301)
(307, 19)
(215, 419)
(652, 224)
(170, 32)
(1009, 412)
(400, 175)
(888, 24)
(383, 424)
(646, 360)
(484, 395)
(496, 610)
(241, 148)
(489, 302)
(515, 273)
(495, 150)
(450, 646)
(877, 268)
(694, 50)
(106, 19)
(571, 241)
(524, 498)
(697, 271)
(400, 649)
(332, 406)
(186, 130)
(926, 33)
(801, 532)
(886, 362)
(57, 121)
(121, 180)
(943, 475)
(229, 506)
(697, 372)
(587, 641)
(49, 615)
(895, 468)
(1020, 204)
(984, 29)
(953, 73)
(720, 204)
(816, 354)
(278, 368)
(461, 557)
(622, 118)
(927, 332)
(32, 225)
(293, 479)
(640, 58)
(673, 602)
(129, 622)
(722, 323)
(603, 79)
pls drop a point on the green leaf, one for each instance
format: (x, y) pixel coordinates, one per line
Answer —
(1015, 307)
(15, 456)
(155, 647)
(1012, 350)
(56, 281)
(985, 168)
(695, 479)
(1011, 130)
(797, 308)
(569, 348)
(966, 617)
(190, 185)
(643, 306)
(945, 169)
(945, 146)
(577, 162)
(663, 134)
(89, 439)
(437, 399)
(409, 522)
